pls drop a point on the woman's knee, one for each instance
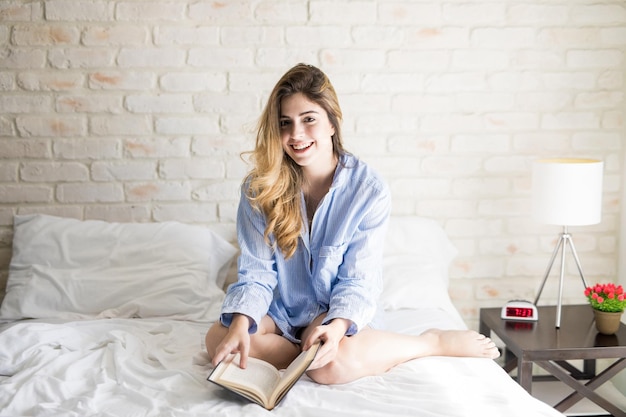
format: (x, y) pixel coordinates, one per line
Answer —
(214, 336)
(329, 374)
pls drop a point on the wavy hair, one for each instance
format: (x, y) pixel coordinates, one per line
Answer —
(275, 182)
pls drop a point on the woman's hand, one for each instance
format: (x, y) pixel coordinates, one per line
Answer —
(330, 335)
(236, 340)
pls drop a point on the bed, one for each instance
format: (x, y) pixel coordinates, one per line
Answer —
(108, 319)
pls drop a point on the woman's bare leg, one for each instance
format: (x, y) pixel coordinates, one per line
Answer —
(266, 343)
(373, 352)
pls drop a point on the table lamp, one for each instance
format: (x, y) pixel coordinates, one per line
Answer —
(566, 192)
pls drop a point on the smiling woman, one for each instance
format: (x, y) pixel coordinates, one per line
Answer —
(300, 281)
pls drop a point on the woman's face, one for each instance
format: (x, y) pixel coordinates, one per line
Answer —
(306, 132)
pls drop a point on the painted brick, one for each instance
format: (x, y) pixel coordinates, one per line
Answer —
(231, 103)
(124, 171)
(418, 144)
(50, 81)
(25, 104)
(9, 172)
(115, 35)
(156, 147)
(277, 12)
(74, 212)
(456, 82)
(158, 191)
(353, 58)
(218, 190)
(511, 37)
(19, 11)
(480, 144)
(120, 125)
(188, 125)
(480, 13)
(223, 13)
(163, 103)
(90, 193)
(187, 36)
(404, 83)
(185, 213)
(45, 35)
(437, 37)
(242, 36)
(153, 10)
(343, 12)
(7, 81)
(89, 104)
(410, 13)
(81, 58)
(595, 59)
(25, 148)
(29, 126)
(179, 82)
(224, 59)
(599, 14)
(480, 186)
(122, 80)
(151, 57)
(419, 60)
(570, 120)
(25, 193)
(6, 126)
(22, 58)
(69, 10)
(537, 14)
(118, 213)
(446, 208)
(53, 172)
(194, 169)
(90, 148)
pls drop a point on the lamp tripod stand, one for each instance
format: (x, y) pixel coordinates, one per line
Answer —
(564, 239)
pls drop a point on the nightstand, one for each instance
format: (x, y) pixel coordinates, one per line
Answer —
(543, 344)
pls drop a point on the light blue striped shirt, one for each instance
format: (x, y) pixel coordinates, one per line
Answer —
(337, 267)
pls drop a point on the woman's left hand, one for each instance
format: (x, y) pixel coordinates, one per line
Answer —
(330, 335)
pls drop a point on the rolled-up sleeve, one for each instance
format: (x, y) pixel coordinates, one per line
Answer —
(253, 292)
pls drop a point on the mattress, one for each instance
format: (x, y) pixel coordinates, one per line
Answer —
(153, 367)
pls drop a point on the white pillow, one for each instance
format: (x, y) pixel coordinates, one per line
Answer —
(67, 268)
(416, 262)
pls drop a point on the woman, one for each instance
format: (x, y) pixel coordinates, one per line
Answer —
(311, 225)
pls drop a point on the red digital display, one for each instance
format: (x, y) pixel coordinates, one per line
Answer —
(519, 312)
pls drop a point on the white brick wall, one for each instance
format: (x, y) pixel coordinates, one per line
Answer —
(138, 111)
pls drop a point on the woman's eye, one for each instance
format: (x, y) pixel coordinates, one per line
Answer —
(283, 123)
(309, 120)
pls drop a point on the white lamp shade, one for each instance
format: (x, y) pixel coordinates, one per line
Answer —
(567, 192)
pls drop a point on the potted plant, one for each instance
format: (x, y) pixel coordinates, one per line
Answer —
(608, 302)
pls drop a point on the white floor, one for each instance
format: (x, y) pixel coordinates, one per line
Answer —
(552, 392)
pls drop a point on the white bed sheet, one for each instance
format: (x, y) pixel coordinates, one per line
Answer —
(149, 367)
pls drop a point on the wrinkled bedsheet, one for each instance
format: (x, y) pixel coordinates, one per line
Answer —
(145, 367)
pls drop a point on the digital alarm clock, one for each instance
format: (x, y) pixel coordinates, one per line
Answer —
(519, 310)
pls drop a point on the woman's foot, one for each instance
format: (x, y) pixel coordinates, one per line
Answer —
(466, 343)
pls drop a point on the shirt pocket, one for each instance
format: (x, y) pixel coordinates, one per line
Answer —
(330, 259)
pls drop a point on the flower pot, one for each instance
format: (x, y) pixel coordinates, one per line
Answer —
(607, 323)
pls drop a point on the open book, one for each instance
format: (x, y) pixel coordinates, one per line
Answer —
(261, 382)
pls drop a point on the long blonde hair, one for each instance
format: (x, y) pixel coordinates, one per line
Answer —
(275, 181)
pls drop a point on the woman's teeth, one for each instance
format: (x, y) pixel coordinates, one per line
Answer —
(301, 146)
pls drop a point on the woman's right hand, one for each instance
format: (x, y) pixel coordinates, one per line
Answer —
(237, 340)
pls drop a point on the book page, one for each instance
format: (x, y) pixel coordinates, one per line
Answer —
(259, 376)
(294, 371)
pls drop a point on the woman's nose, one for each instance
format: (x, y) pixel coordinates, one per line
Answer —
(297, 130)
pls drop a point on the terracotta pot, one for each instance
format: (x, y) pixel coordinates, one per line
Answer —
(607, 323)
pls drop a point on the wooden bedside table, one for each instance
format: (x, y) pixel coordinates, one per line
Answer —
(543, 344)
